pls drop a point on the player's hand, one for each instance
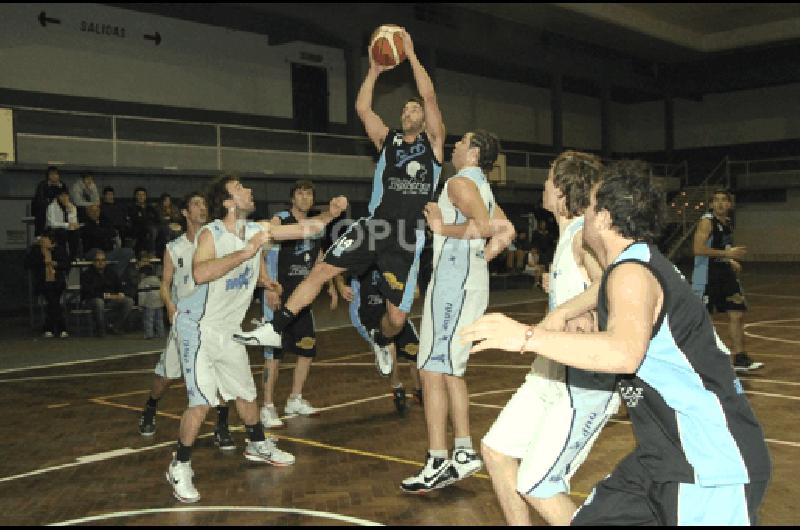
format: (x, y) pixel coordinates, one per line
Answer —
(273, 300)
(334, 294)
(258, 240)
(736, 266)
(433, 216)
(337, 206)
(584, 323)
(346, 292)
(736, 252)
(378, 69)
(408, 44)
(494, 331)
(171, 312)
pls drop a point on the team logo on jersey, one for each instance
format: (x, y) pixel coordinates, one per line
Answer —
(397, 141)
(416, 171)
(241, 281)
(393, 282)
(631, 395)
(306, 343)
(180, 262)
(413, 152)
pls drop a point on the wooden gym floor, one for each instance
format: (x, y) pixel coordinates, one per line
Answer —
(72, 453)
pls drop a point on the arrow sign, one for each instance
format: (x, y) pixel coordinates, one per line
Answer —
(156, 38)
(43, 20)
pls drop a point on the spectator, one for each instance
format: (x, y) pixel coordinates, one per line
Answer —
(49, 264)
(150, 300)
(543, 241)
(97, 233)
(114, 214)
(170, 223)
(517, 255)
(84, 193)
(62, 217)
(144, 222)
(101, 287)
(46, 191)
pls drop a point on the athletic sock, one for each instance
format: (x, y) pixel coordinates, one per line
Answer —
(438, 454)
(282, 318)
(464, 443)
(255, 433)
(222, 416)
(184, 453)
(398, 385)
(152, 402)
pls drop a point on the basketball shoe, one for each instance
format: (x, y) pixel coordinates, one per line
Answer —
(179, 476)
(743, 363)
(266, 451)
(400, 400)
(263, 335)
(147, 422)
(223, 438)
(299, 407)
(437, 473)
(270, 419)
(383, 357)
(466, 462)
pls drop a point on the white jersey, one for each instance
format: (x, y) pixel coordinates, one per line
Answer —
(181, 253)
(222, 303)
(467, 254)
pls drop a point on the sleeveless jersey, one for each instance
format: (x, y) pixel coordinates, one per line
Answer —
(222, 303)
(721, 238)
(692, 421)
(181, 253)
(405, 179)
(466, 255)
(290, 262)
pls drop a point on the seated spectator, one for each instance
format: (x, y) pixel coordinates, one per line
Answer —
(517, 255)
(101, 288)
(46, 191)
(150, 300)
(62, 218)
(97, 233)
(114, 214)
(84, 193)
(144, 223)
(534, 267)
(543, 241)
(49, 264)
(170, 223)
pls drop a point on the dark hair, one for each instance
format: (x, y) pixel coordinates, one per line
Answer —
(188, 198)
(416, 99)
(87, 174)
(488, 146)
(217, 194)
(723, 191)
(52, 168)
(636, 205)
(302, 185)
(574, 174)
(107, 189)
(138, 189)
(49, 233)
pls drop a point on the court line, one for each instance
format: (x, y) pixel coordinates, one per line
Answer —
(148, 511)
(83, 361)
(774, 339)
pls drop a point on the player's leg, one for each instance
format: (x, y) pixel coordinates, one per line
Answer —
(167, 369)
(465, 458)
(398, 392)
(270, 418)
(301, 339)
(503, 471)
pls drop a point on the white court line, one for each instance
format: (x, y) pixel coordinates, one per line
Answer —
(71, 376)
(69, 363)
(107, 455)
(748, 293)
(774, 339)
(298, 511)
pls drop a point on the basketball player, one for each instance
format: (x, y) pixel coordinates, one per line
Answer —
(547, 428)
(367, 307)
(289, 264)
(700, 455)
(393, 235)
(716, 272)
(225, 268)
(457, 295)
(177, 283)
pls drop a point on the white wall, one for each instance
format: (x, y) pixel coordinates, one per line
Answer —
(777, 221)
(196, 65)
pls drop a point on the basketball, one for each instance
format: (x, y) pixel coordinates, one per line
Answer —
(387, 45)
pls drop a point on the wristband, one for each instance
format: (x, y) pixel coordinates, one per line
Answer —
(528, 336)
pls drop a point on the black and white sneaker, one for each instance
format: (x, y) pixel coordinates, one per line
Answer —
(147, 422)
(437, 473)
(383, 357)
(743, 363)
(400, 400)
(223, 438)
(466, 462)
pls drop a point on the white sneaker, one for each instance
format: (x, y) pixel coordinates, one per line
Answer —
(466, 462)
(270, 419)
(383, 357)
(179, 475)
(261, 336)
(48, 335)
(299, 406)
(64, 335)
(268, 452)
(437, 473)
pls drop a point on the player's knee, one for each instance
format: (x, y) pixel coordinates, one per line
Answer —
(491, 457)
(397, 318)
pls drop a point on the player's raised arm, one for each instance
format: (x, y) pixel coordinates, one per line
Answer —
(206, 267)
(307, 227)
(374, 125)
(434, 124)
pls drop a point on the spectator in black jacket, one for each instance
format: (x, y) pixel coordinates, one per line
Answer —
(46, 191)
(97, 233)
(144, 221)
(49, 264)
(101, 287)
(114, 214)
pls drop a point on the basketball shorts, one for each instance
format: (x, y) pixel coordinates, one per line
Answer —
(539, 427)
(629, 497)
(169, 364)
(446, 313)
(723, 291)
(213, 363)
(391, 246)
(298, 337)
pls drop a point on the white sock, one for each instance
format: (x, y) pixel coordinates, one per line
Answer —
(464, 443)
(438, 454)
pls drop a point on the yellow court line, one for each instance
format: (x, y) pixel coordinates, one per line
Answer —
(58, 406)
(313, 443)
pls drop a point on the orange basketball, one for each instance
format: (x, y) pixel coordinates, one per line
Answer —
(386, 45)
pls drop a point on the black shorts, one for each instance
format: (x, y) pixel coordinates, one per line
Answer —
(723, 290)
(406, 342)
(298, 338)
(629, 497)
(395, 247)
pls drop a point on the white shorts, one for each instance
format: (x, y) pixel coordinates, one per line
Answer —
(440, 347)
(539, 427)
(213, 363)
(169, 364)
